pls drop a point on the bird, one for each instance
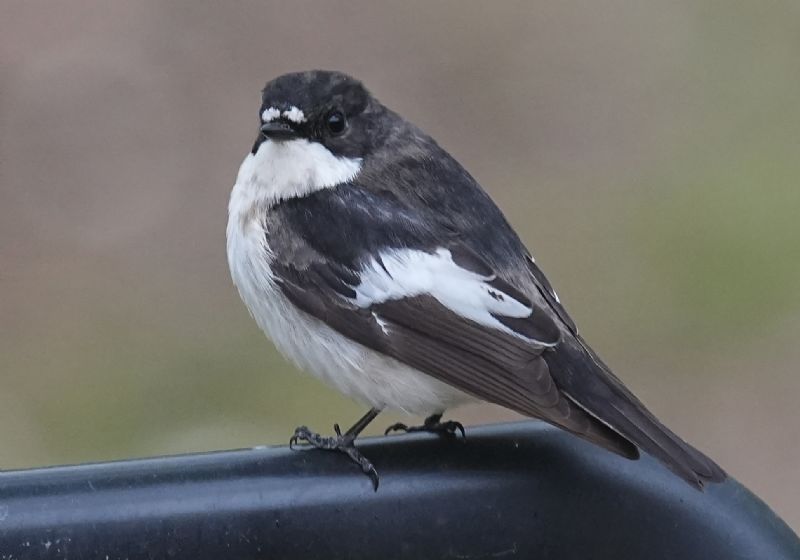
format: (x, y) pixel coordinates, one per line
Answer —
(374, 261)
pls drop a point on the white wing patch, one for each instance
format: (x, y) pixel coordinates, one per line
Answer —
(407, 273)
(381, 323)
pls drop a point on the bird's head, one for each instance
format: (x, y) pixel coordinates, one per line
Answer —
(328, 108)
(316, 130)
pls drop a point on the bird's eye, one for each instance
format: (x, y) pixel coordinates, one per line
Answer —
(335, 122)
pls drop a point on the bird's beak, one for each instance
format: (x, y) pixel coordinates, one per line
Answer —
(278, 130)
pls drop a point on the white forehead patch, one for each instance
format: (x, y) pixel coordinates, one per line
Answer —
(295, 115)
(292, 113)
(270, 114)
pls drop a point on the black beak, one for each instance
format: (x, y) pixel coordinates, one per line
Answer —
(278, 130)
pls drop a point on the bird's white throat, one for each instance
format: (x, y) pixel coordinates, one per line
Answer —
(289, 169)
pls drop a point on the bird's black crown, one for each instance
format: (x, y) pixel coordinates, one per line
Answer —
(315, 90)
(337, 111)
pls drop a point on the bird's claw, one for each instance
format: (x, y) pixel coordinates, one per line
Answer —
(435, 426)
(396, 427)
(340, 442)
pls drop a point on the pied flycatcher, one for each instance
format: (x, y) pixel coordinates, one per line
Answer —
(374, 261)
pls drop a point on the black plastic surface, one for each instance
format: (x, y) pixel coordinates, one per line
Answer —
(519, 490)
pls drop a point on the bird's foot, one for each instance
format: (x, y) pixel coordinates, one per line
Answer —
(432, 424)
(343, 443)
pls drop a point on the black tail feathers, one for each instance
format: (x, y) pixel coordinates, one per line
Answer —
(589, 382)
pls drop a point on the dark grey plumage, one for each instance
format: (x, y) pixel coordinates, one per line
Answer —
(411, 194)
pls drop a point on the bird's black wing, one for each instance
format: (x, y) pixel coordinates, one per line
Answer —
(550, 296)
(396, 282)
(579, 373)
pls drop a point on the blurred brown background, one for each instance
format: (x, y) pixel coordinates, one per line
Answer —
(648, 152)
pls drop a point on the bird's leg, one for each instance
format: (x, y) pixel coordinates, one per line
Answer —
(343, 442)
(433, 424)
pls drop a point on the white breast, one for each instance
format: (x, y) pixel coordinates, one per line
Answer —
(276, 172)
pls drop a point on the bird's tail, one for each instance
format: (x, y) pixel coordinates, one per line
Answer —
(581, 374)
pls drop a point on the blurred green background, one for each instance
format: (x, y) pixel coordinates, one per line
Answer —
(648, 153)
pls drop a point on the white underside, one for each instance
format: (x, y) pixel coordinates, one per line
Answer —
(353, 369)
